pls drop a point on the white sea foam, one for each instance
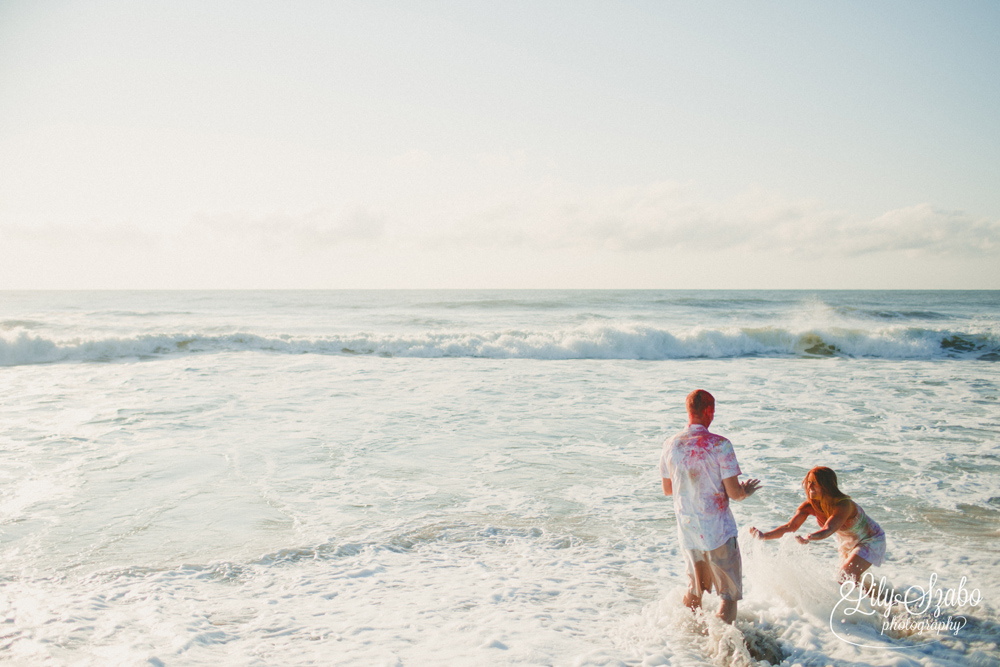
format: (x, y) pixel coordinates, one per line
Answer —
(590, 342)
(268, 498)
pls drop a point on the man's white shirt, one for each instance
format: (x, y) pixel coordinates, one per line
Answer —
(696, 461)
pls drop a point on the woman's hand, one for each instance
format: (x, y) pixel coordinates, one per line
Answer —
(756, 533)
(802, 540)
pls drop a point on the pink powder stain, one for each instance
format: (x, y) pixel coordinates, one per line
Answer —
(721, 502)
(697, 454)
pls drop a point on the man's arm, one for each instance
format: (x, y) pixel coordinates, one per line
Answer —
(737, 491)
(668, 487)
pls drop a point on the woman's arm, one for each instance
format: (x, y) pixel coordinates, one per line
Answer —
(832, 524)
(801, 514)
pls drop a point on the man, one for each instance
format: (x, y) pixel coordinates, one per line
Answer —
(700, 471)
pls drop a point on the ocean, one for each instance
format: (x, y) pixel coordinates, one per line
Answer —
(470, 477)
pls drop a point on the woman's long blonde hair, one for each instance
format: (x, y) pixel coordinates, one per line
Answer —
(830, 496)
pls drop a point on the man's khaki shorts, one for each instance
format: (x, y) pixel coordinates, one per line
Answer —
(721, 569)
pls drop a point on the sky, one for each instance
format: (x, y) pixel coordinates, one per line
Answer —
(540, 144)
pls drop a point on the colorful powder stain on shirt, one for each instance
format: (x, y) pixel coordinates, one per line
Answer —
(696, 461)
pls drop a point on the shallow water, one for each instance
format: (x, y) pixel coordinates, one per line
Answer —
(258, 495)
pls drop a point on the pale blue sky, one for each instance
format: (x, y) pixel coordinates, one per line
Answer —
(513, 144)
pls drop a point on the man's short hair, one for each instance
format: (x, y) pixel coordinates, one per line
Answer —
(698, 401)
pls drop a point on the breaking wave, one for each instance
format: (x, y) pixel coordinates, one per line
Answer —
(593, 342)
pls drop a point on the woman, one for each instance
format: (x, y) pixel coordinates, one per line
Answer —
(861, 540)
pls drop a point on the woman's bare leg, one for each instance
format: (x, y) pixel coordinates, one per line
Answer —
(854, 568)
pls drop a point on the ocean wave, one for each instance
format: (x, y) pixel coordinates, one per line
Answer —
(496, 304)
(889, 314)
(10, 325)
(590, 342)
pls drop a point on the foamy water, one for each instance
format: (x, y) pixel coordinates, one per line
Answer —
(413, 478)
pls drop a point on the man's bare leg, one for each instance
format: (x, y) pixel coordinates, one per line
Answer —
(727, 611)
(701, 570)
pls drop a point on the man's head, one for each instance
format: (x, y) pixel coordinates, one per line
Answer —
(700, 407)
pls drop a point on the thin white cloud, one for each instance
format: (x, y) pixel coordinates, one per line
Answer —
(675, 216)
(315, 229)
(93, 233)
(318, 228)
(629, 220)
(924, 228)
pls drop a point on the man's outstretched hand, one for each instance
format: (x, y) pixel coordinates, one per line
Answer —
(750, 486)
